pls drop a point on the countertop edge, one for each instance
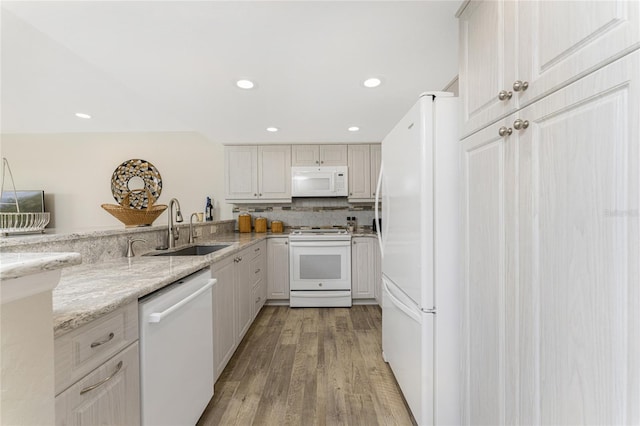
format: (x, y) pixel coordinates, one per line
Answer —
(17, 265)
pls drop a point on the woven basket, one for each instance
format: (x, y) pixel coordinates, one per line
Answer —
(134, 217)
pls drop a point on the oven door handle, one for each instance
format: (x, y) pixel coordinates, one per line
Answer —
(294, 243)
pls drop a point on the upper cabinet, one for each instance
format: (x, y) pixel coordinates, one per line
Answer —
(376, 161)
(487, 63)
(359, 172)
(258, 173)
(319, 155)
(364, 167)
(262, 173)
(514, 53)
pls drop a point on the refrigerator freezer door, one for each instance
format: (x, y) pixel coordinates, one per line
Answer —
(407, 204)
(408, 347)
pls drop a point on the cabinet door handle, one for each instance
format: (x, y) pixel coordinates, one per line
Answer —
(504, 95)
(520, 124)
(503, 131)
(520, 86)
(103, 381)
(102, 342)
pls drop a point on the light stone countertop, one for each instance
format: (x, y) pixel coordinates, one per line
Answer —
(16, 265)
(87, 292)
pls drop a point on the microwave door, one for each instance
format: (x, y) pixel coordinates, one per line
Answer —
(312, 183)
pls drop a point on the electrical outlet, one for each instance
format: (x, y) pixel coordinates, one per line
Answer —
(197, 232)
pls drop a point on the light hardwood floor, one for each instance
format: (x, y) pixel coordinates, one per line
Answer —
(311, 366)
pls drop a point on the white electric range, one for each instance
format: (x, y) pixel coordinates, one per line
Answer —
(320, 267)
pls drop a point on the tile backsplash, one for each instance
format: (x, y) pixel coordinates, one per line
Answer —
(310, 212)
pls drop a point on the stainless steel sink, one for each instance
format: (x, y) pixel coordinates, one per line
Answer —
(198, 250)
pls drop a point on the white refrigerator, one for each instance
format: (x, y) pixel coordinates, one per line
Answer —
(419, 242)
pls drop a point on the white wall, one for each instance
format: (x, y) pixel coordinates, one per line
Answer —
(75, 169)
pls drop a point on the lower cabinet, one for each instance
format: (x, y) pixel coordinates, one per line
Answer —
(110, 395)
(97, 372)
(365, 267)
(241, 279)
(278, 268)
(224, 337)
(243, 288)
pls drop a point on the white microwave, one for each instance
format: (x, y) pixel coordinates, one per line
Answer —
(319, 181)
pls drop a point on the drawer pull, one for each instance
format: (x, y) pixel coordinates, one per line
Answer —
(102, 342)
(257, 270)
(103, 381)
(257, 250)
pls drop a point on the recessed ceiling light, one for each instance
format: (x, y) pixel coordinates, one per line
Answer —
(82, 115)
(372, 82)
(353, 128)
(272, 129)
(245, 84)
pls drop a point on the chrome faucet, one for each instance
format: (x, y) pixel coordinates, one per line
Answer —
(173, 234)
(130, 242)
(192, 237)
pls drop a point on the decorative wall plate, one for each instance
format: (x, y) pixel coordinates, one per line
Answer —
(140, 180)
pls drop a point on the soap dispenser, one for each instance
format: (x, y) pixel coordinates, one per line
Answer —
(208, 210)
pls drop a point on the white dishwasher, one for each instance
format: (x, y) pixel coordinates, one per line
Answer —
(176, 351)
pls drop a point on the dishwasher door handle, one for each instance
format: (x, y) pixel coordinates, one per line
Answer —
(159, 316)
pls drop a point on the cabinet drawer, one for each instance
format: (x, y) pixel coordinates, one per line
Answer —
(82, 350)
(108, 395)
(257, 250)
(257, 267)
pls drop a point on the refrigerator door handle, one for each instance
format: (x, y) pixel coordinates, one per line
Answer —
(376, 210)
(404, 308)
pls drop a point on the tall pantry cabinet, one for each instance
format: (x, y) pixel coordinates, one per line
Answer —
(551, 325)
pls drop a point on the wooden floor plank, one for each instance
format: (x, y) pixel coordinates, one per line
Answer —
(304, 366)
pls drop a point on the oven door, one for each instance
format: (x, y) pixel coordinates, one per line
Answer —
(320, 265)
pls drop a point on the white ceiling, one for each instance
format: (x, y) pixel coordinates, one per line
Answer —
(171, 66)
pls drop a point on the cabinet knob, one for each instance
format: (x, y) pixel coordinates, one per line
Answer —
(520, 86)
(520, 124)
(504, 95)
(351, 193)
(322, 162)
(260, 194)
(354, 243)
(320, 284)
(255, 195)
(504, 131)
(317, 162)
(286, 243)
